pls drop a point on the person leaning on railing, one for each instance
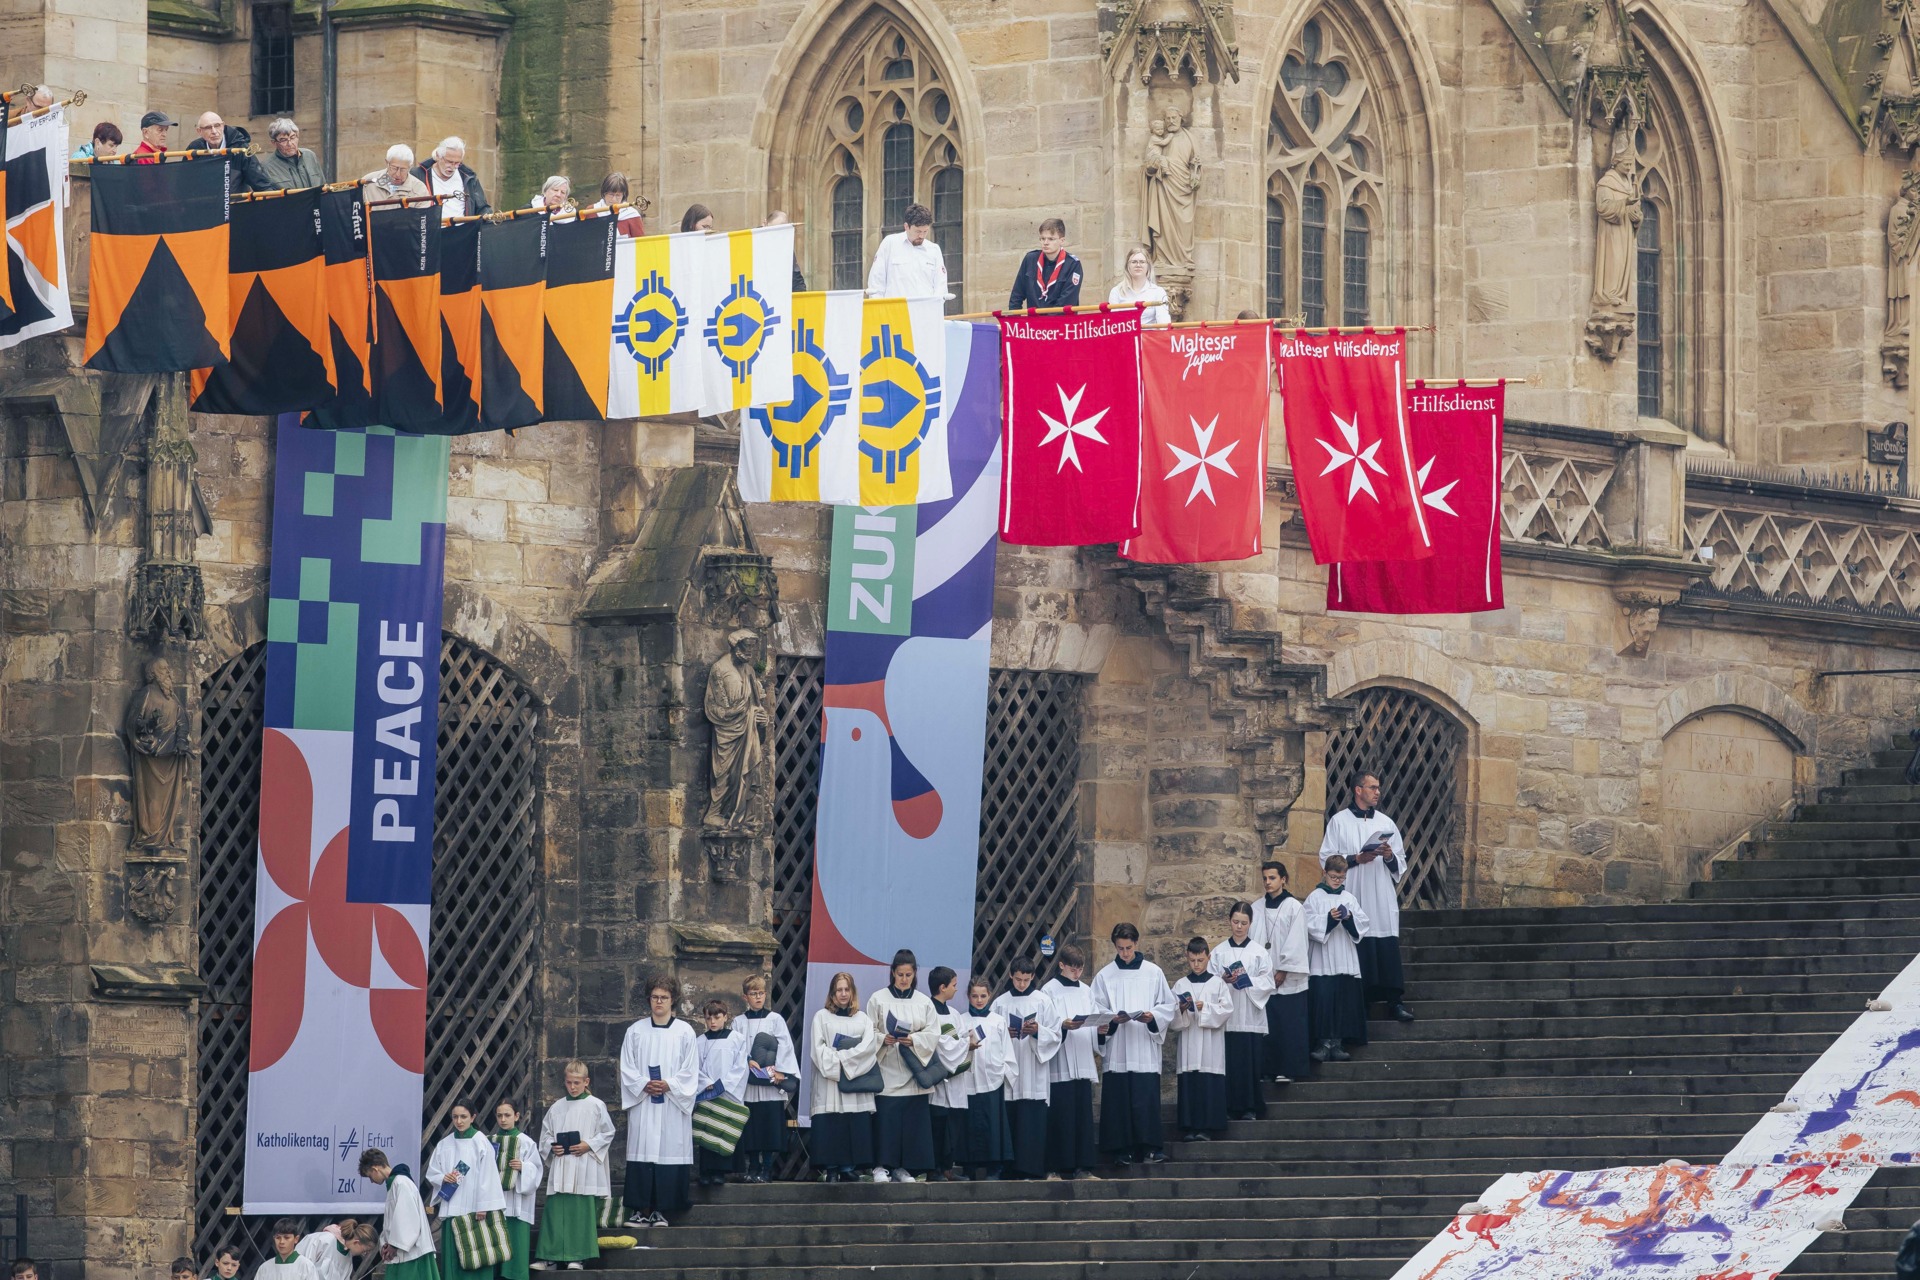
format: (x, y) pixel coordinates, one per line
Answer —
(290, 166)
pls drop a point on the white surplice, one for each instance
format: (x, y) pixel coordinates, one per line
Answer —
(993, 1062)
(659, 1132)
(1333, 950)
(1203, 1029)
(786, 1060)
(914, 1011)
(723, 1059)
(1250, 1005)
(956, 1048)
(479, 1187)
(1075, 1059)
(1280, 925)
(1136, 988)
(575, 1175)
(831, 1065)
(403, 1225)
(1374, 885)
(1032, 1055)
(329, 1257)
(523, 1184)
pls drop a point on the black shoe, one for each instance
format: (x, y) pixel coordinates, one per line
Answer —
(1191, 1136)
(1123, 1161)
(1337, 1053)
(1401, 1013)
(1318, 1053)
(1157, 1157)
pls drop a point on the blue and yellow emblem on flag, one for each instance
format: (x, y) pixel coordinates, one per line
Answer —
(747, 326)
(659, 291)
(807, 449)
(903, 439)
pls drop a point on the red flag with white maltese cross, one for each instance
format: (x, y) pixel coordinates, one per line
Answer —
(1203, 444)
(1347, 436)
(1456, 446)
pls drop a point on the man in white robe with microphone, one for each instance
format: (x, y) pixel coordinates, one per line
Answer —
(1377, 860)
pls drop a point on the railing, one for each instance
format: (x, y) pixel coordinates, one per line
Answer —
(13, 1235)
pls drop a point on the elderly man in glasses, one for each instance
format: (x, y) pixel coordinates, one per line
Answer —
(289, 165)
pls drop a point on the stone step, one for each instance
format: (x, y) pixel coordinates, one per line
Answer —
(1786, 846)
(1854, 806)
(1814, 866)
(1642, 916)
(1484, 1033)
(1769, 1059)
(1520, 1092)
(1437, 982)
(1867, 793)
(1581, 1007)
(1757, 938)
(1880, 775)
(1409, 1127)
(1437, 966)
(1648, 1099)
(1843, 830)
(1827, 887)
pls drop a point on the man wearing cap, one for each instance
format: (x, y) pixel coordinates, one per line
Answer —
(154, 127)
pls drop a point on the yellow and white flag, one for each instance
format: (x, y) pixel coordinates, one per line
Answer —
(903, 425)
(808, 449)
(746, 331)
(659, 296)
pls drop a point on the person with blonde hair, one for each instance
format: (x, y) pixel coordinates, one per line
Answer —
(845, 1047)
(575, 1134)
(773, 1076)
(333, 1249)
(1137, 286)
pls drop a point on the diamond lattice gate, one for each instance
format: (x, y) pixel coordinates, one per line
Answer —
(482, 959)
(1420, 753)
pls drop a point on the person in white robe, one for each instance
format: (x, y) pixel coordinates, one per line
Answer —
(1134, 1004)
(406, 1234)
(948, 1101)
(1243, 965)
(517, 1157)
(844, 1046)
(465, 1185)
(1203, 1008)
(769, 1085)
(1072, 1070)
(578, 1184)
(1280, 925)
(334, 1249)
(1034, 1048)
(723, 1074)
(903, 1115)
(287, 1262)
(1376, 863)
(659, 1074)
(989, 1143)
(1335, 924)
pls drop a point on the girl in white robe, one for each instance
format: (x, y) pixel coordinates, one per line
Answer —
(765, 1138)
(903, 1116)
(989, 1142)
(948, 1101)
(576, 1171)
(1280, 925)
(517, 1157)
(723, 1074)
(844, 1046)
(1335, 924)
(1242, 964)
(1135, 1004)
(659, 1075)
(464, 1177)
(1033, 1050)
(406, 1235)
(1072, 1071)
(1203, 1004)
(335, 1248)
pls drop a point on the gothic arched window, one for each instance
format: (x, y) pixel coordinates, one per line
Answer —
(849, 205)
(1276, 257)
(1356, 259)
(1648, 329)
(1313, 253)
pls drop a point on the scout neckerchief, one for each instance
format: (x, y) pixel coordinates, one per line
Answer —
(1039, 273)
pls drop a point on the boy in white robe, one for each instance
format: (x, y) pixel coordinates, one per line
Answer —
(576, 1172)
(659, 1074)
(406, 1236)
(1135, 1004)
(769, 1085)
(1376, 863)
(465, 1188)
(1280, 925)
(844, 1046)
(517, 1157)
(1034, 1046)
(1203, 1006)
(287, 1262)
(334, 1248)
(903, 1115)
(948, 1101)
(1335, 923)
(723, 1074)
(226, 1263)
(989, 1144)
(1242, 964)
(1072, 1071)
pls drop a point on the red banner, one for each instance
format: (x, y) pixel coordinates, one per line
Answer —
(1203, 444)
(1456, 445)
(1342, 395)
(1070, 428)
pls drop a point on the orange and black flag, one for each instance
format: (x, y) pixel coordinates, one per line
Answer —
(578, 303)
(159, 267)
(280, 355)
(349, 277)
(513, 286)
(406, 317)
(460, 328)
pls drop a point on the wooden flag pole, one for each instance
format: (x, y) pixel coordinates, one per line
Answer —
(154, 157)
(1449, 384)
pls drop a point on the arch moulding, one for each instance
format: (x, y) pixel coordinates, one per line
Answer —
(1744, 695)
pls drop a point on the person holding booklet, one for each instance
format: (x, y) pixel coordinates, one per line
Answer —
(575, 1136)
(1033, 1031)
(948, 1101)
(1335, 923)
(723, 1076)
(909, 1042)
(1203, 1006)
(1072, 1071)
(773, 1076)
(406, 1234)
(1244, 967)
(1135, 1005)
(462, 1171)
(517, 1157)
(1280, 925)
(845, 1048)
(1376, 862)
(659, 1074)
(989, 1144)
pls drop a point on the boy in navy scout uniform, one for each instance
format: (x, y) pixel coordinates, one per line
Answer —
(1049, 276)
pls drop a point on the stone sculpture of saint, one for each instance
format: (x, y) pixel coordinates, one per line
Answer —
(1616, 202)
(1172, 184)
(158, 746)
(1903, 236)
(736, 708)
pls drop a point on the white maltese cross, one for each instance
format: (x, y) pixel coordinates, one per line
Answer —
(1361, 460)
(1202, 458)
(1065, 429)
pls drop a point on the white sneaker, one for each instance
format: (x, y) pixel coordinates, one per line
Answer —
(540, 1266)
(1282, 1080)
(657, 1220)
(881, 1175)
(901, 1175)
(581, 1266)
(1053, 1177)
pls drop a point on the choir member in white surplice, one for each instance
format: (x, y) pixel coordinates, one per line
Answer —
(1135, 1005)
(723, 1075)
(903, 1115)
(287, 1262)
(769, 1085)
(1335, 923)
(947, 1104)
(466, 1194)
(517, 1156)
(1072, 1071)
(844, 1047)
(1376, 862)
(1034, 1047)
(659, 1075)
(575, 1135)
(989, 1143)
(1280, 925)
(334, 1249)
(406, 1234)
(1203, 1006)
(1242, 964)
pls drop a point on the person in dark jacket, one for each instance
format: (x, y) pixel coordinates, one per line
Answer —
(1049, 276)
(449, 178)
(215, 133)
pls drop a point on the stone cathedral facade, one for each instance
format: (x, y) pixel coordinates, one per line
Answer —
(1686, 224)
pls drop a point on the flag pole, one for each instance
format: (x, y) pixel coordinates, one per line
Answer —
(129, 157)
(1448, 384)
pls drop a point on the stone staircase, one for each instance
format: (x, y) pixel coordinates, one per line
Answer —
(1570, 1038)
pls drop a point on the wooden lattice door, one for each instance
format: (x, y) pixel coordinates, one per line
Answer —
(482, 955)
(1419, 752)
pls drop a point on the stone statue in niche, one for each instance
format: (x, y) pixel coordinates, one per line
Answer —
(736, 708)
(159, 743)
(1616, 203)
(1903, 236)
(1172, 184)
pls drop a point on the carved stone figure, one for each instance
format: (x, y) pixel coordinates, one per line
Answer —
(153, 889)
(159, 742)
(736, 708)
(1172, 184)
(1616, 203)
(1903, 236)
